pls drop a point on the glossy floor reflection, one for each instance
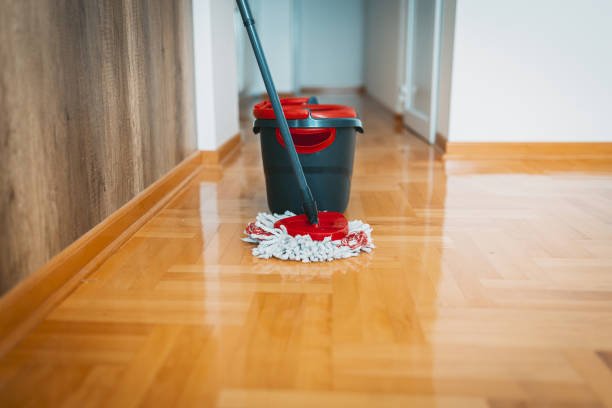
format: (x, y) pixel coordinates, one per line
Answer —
(491, 285)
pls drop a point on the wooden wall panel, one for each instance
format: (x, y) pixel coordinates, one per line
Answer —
(96, 103)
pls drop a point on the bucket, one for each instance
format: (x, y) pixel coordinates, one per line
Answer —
(324, 137)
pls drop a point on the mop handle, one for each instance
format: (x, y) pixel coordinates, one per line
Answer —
(309, 204)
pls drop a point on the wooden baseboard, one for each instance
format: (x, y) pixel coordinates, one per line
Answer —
(398, 122)
(31, 300)
(216, 157)
(521, 151)
(264, 95)
(441, 142)
(314, 91)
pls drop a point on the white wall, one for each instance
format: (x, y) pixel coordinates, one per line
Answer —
(241, 39)
(204, 99)
(274, 24)
(308, 43)
(331, 43)
(216, 78)
(383, 57)
(527, 70)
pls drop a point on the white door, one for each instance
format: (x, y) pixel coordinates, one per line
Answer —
(424, 23)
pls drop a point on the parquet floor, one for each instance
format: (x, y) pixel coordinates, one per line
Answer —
(491, 287)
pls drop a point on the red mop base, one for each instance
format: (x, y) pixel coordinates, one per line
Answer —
(331, 224)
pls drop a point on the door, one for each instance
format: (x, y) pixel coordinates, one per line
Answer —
(424, 23)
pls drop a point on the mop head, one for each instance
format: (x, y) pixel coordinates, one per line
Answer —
(277, 243)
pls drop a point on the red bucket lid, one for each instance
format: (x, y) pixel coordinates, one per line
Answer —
(298, 108)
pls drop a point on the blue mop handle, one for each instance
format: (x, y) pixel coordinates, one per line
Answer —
(310, 206)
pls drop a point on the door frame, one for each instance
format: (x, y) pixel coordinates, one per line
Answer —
(429, 128)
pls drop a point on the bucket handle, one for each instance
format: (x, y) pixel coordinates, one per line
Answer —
(309, 140)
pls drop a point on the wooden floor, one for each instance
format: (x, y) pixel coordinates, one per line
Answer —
(491, 286)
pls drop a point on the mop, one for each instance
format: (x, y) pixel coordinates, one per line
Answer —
(314, 236)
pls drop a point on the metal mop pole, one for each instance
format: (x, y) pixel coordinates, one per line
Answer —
(309, 204)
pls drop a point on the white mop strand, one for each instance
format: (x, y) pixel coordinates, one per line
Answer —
(277, 243)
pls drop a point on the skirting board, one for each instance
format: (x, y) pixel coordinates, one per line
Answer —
(315, 91)
(264, 95)
(441, 142)
(398, 122)
(32, 299)
(521, 151)
(216, 157)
